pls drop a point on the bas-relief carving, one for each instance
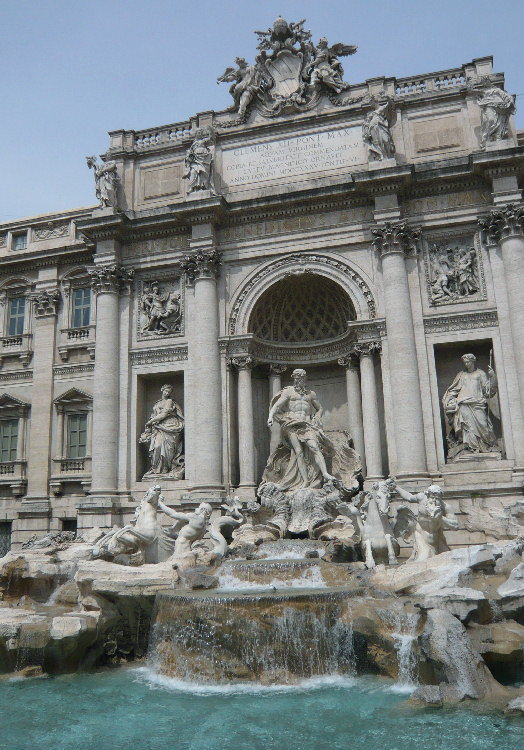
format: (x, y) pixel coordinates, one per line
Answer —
(154, 356)
(461, 321)
(160, 309)
(106, 181)
(290, 73)
(3, 240)
(164, 435)
(467, 408)
(157, 246)
(453, 272)
(496, 107)
(50, 231)
(200, 162)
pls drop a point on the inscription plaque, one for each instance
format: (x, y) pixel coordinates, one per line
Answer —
(328, 151)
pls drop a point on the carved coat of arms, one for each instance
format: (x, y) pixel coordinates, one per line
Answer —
(290, 73)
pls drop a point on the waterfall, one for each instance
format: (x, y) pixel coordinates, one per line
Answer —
(403, 626)
(261, 638)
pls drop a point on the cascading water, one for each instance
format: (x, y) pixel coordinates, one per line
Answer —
(403, 628)
(263, 576)
(262, 638)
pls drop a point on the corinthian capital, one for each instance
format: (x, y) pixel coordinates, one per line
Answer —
(365, 348)
(242, 362)
(45, 303)
(507, 222)
(112, 279)
(395, 237)
(201, 264)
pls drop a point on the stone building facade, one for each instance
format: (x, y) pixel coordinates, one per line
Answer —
(371, 234)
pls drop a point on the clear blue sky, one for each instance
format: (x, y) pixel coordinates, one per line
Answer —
(71, 71)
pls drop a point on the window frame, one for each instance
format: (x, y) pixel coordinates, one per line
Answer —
(70, 416)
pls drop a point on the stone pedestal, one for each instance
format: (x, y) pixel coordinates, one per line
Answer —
(394, 240)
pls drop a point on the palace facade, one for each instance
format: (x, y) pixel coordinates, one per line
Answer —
(371, 234)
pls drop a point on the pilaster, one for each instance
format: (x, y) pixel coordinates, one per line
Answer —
(370, 417)
(354, 398)
(246, 437)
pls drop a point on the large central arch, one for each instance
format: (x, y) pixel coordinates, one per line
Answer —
(330, 268)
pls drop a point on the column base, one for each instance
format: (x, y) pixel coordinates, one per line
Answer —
(369, 480)
(214, 495)
(246, 491)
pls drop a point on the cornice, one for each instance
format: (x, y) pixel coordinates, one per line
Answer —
(460, 321)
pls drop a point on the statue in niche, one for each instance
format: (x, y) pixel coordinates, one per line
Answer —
(376, 132)
(141, 534)
(106, 180)
(425, 527)
(496, 106)
(162, 312)
(246, 82)
(301, 460)
(164, 432)
(466, 405)
(326, 68)
(454, 273)
(199, 162)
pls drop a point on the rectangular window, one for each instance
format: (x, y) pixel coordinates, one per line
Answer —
(15, 316)
(76, 435)
(81, 307)
(69, 524)
(5, 537)
(8, 439)
(19, 241)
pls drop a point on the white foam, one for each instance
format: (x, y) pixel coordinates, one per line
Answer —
(311, 578)
(155, 680)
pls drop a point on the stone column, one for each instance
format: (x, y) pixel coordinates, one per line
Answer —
(107, 283)
(246, 438)
(275, 386)
(204, 426)
(370, 417)
(356, 428)
(394, 240)
(45, 307)
(506, 227)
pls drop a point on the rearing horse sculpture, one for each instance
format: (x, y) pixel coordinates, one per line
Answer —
(377, 539)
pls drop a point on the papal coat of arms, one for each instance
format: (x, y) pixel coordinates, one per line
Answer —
(290, 73)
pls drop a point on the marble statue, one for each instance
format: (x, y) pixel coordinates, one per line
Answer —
(301, 461)
(453, 273)
(496, 106)
(289, 74)
(433, 516)
(326, 68)
(222, 528)
(377, 538)
(190, 528)
(164, 431)
(466, 405)
(141, 534)
(376, 132)
(245, 81)
(199, 162)
(106, 180)
(162, 312)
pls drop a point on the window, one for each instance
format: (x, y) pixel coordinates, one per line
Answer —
(15, 316)
(76, 435)
(69, 524)
(81, 307)
(19, 241)
(8, 439)
(5, 537)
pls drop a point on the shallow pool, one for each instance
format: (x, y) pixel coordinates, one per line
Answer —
(132, 709)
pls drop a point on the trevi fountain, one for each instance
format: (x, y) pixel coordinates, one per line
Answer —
(283, 502)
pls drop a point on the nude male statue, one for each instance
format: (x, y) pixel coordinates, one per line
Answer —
(194, 527)
(299, 413)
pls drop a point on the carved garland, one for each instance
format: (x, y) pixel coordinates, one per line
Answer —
(301, 261)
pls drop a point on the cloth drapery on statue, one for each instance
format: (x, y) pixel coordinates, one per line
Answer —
(282, 466)
(466, 403)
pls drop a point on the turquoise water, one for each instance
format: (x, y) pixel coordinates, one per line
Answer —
(133, 710)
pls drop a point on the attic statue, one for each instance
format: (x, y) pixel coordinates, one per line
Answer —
(106, 181)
